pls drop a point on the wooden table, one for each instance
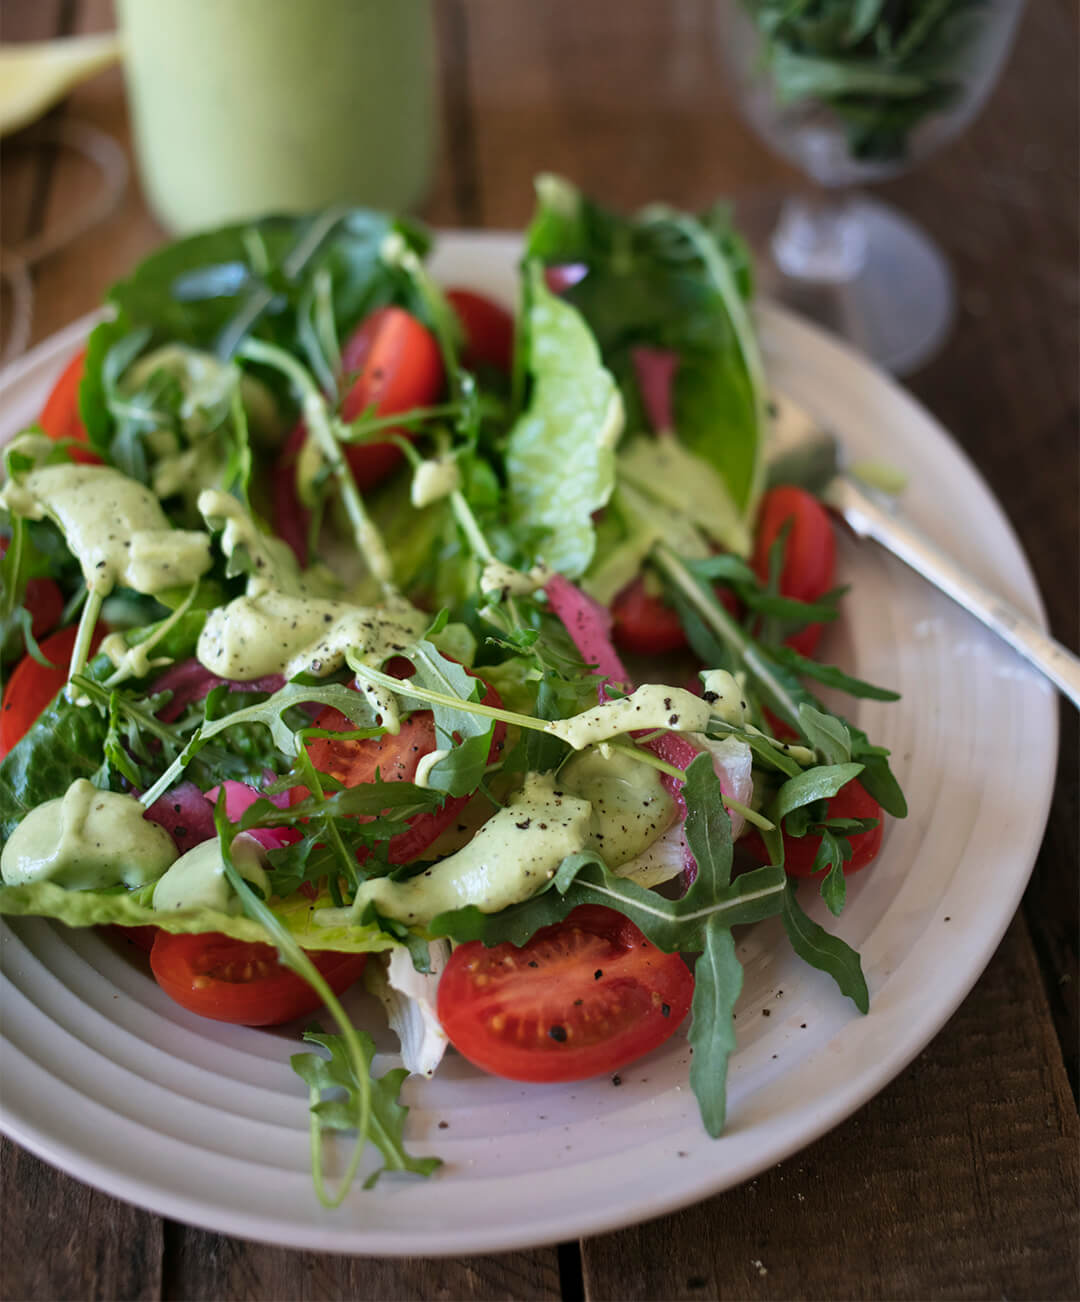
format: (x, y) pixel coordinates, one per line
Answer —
(959, 1180)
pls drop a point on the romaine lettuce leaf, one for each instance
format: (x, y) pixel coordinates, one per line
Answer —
(560, 456)
(669, 280)
(67, 741)
(135, 909)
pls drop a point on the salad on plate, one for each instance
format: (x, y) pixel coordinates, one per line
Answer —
(356, 629)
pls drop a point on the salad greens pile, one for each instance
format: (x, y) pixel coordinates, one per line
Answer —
(882, 66)
(472, 582)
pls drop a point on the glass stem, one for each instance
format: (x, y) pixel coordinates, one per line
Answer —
(820, 238)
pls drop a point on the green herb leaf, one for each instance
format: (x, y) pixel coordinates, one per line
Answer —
(826, 952)
(831, 676)
(814, 784)
(560, 454)
(327, 1076)
(718, 979)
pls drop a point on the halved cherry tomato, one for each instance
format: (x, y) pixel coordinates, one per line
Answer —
(291, 520)
(243, 982)
(32, 686)
(647, 625)
(141, 937)
(581, 998)
(489, 330)
(43, 600)
(391, 363)
(395, 758)
(643, 623)
(851, 801)
(60, 417)
(809, 552)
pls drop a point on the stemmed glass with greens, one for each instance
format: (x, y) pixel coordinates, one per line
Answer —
(855, 91)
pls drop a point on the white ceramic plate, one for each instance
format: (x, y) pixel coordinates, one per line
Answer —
(104, 1077)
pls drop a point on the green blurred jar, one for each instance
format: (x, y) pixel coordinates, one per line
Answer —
(242, 107)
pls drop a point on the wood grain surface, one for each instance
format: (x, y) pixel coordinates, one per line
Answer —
(960, 1180)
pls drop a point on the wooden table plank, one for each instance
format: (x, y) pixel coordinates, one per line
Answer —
(62, 1239)
(199, 1265)
(958, 1181)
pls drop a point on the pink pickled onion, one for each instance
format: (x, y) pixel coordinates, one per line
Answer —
(239, 797)
(564, 275)
(589, 626)
(189, 681)
(186, 814)
(654, 370)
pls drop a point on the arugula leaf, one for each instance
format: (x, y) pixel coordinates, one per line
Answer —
(718, 979)
(270, 713)
(708, 826)
(326, 1077)
(560, 454)
(818, 783)
(826, 733)
(831, 676)
(877, 777)
(824, 951)
(463, 734)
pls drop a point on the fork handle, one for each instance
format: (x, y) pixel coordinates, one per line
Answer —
(868, 518)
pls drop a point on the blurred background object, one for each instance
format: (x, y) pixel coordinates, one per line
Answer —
(243, 107)
(35, 76)
(854, 93)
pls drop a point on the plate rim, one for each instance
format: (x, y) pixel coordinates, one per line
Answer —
(345, 1236)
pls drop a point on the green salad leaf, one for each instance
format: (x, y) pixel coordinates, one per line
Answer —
(560, 454)
(828, 953)
(296, 914)
(335, 1105)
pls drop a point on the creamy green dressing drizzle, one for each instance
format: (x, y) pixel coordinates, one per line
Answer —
(631, 808)
(515, 853)
(434, 479)
(651, 706)
(278, 628)
(197, 879)
(87, 840)
(725, 698)
(113, 526)
(274, 633)
(497, 579)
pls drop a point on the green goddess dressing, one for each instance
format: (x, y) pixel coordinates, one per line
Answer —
(87, 840)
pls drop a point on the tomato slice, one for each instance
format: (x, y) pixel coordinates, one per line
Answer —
(32, 686)
(60, 417)
(291, 520)
(809, 553)
(647, 625)
(395, 757)
(581, 998)
(851, 801)
(43, 600)
(141, 937)
(243, 982)
(391, 363)
(643, 623)
(489, 330)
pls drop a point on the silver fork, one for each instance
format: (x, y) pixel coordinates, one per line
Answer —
(808, 453)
